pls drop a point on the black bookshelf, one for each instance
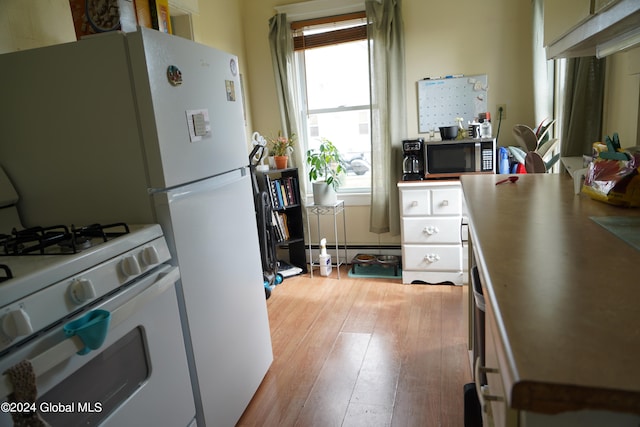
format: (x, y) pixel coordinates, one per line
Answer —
(283, 186)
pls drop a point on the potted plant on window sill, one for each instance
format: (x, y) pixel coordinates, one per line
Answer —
(325, 169)
(280, 147)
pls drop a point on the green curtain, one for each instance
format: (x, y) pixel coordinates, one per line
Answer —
(388, 105)
(385, 34)
(282, 58)
(583, 103)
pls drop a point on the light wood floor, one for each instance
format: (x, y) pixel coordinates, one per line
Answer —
(363, 352)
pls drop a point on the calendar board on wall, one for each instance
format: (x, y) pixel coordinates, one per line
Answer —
(440, 101)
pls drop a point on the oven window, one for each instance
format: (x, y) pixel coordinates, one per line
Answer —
(102, 384)
(450, 158)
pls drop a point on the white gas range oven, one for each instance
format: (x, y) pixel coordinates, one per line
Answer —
(91, 314)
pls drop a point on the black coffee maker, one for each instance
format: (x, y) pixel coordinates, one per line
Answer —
(413, 159)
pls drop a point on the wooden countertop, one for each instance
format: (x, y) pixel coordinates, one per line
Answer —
(565, 293)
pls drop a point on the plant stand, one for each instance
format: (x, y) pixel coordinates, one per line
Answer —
(335, 209)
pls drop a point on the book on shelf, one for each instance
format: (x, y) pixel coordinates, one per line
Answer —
(271, 189)
(278, 189)
(285, 225)
(279, 221)
(283, 192)
(276, 226)
(296, 190)
(290, 188)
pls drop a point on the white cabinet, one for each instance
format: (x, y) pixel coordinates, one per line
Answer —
(580, 27)
(494, 396)
(494, 393)
(431, 217)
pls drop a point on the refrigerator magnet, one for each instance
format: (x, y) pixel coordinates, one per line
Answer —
(174, 75)
(231, 90)
(233, 66)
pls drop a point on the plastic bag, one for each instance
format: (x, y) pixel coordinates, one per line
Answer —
(614, 181)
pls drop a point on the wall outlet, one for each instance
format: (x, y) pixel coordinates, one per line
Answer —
(504, 111)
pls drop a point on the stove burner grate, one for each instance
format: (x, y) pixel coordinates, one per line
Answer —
(105, 232)
(36, 240)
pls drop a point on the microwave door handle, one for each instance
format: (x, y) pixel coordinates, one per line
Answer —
(62, 351)
(478, 156)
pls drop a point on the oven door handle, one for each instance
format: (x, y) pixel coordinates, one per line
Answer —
(66, 349)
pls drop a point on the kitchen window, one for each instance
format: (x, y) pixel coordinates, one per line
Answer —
(332, 65)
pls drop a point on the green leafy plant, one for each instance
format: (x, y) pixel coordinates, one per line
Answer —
(325, 163)
(281, 145)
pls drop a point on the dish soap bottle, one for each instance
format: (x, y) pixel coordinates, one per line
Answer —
(324, 259)
(461, 131)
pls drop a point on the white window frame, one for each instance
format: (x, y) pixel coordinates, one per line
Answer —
(319, 8)
(312, 10)
(304, 115)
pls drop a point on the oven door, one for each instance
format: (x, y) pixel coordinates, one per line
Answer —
(139, 376)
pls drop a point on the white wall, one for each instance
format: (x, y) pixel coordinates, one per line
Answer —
(491, 37)
(25, 24)
(622, 97)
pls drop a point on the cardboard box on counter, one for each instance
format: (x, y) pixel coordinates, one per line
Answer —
(100, 16)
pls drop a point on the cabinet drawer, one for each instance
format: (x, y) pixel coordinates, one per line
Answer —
(446, 201)
(431, 230)
(495, 393)
(494, 385)
(432, 257)
(415, 202)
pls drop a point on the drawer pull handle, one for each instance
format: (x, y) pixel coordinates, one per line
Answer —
(414, 203)
(492, 398)
(432, 258)
(480, 390)
(445, 203)
(431, 229)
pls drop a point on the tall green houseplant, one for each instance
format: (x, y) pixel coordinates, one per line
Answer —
(325, 168)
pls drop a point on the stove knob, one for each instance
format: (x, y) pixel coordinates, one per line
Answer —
(82, 290)
(150, 256)
(130, 266)
(16, 323)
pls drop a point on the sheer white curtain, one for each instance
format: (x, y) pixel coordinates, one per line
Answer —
(388, 111)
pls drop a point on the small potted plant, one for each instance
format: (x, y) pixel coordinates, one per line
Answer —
(325, 169)
(280, 147)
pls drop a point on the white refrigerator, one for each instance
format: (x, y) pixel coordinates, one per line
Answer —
(146, 127)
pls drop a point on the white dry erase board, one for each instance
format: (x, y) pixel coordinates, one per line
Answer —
(441, 100)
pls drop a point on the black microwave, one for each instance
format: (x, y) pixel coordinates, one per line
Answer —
(444, 159)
